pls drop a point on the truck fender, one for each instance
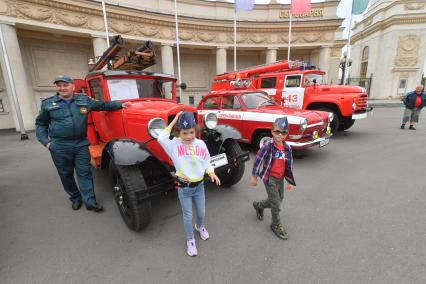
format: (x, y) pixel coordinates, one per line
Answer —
(228, 131)
(125, 152)
(217, 137)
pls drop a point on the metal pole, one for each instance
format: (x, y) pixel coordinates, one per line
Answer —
(177, 50)
(105, 23)
(235, 40)
(24, 135)
(348, 44)
(289, 38)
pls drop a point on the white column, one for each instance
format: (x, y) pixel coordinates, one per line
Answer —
(99, 46)
(22, 85)
(167, 59)
(324, 60)
(220, 60)
(271, 55)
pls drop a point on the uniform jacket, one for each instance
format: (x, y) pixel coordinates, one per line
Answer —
(191, 161)
(264, 158)
(410, 100)
(59, 121)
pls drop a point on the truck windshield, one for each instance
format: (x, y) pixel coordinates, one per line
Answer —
(126, 89)
(309, 79)
(255, 100)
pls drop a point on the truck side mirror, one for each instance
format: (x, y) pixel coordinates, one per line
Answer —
(182, 86)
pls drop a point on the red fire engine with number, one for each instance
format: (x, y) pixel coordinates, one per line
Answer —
(295, 85)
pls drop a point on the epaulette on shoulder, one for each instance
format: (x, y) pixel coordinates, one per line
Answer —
(48, 98)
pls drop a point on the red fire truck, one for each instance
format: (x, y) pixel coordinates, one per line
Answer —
(124, 141)
(296, 85)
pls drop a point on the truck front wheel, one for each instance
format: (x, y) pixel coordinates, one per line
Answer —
(234, 174)
(335, 124)
(346, 123)
(128, 180)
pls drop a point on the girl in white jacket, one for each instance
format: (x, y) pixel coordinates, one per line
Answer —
(192, 161)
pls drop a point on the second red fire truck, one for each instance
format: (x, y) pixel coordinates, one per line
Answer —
(296, 85)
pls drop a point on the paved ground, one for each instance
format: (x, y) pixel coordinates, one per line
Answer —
(358, 215)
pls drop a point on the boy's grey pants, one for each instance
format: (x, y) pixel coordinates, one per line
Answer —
(275, 190)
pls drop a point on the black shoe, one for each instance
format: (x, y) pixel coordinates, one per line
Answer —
(279, 231)
(95, 207)
(411, 127)
(76, 205)
(259, 211)
(402, 126)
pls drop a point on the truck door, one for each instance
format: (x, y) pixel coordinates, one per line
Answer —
(107, 124)
(293, 92)
(268, 85)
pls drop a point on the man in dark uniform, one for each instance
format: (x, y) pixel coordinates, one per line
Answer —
(61, 127)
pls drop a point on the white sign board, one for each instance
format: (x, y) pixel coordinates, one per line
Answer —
(123, 89)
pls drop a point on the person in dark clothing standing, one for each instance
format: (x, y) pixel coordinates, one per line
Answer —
(61, 127)
(273, 164)
(414, 102)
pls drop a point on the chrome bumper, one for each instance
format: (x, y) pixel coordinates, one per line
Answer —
(362, 115)
(301, 145)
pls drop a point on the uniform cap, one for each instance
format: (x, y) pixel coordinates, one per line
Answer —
(63, 78)
(281, 123)
(186, 120)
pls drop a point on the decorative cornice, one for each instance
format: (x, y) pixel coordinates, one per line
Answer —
(382, 25)
(87, 16)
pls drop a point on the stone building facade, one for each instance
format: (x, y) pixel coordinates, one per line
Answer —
(390, 44)
(45, 38)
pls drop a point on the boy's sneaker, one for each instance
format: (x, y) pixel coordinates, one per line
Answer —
(279, 231)
(191, 248)
(259, 211)
(402, 126)
(204, 235)
(411, 127)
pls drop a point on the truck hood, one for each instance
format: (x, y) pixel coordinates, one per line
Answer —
(155, 108)
(337, 89)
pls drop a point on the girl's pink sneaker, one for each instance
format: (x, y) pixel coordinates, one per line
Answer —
(204, 235)
(191, 248)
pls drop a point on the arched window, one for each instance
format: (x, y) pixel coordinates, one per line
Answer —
(364, 62)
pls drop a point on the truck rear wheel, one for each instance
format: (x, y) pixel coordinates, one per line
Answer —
(335, 124)
(233, 175)
(129, 180)
(346, 123)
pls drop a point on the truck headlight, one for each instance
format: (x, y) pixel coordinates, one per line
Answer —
(330, 117)
(315, 135)
(353, 106)
(155, 126)
(210, 120)
(303, 124)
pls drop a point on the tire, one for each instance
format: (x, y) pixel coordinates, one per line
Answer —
(346, 123)
(260, 138)
(128, 180)
(232, 175)
(335, 124)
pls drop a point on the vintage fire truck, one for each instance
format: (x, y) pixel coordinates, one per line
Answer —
(124, 141)
(252, 112)
(296, 85)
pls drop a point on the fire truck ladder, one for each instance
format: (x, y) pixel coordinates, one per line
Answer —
(139, 58)
(278, 66)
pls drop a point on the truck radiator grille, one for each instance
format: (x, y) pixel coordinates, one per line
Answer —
(362, 101)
